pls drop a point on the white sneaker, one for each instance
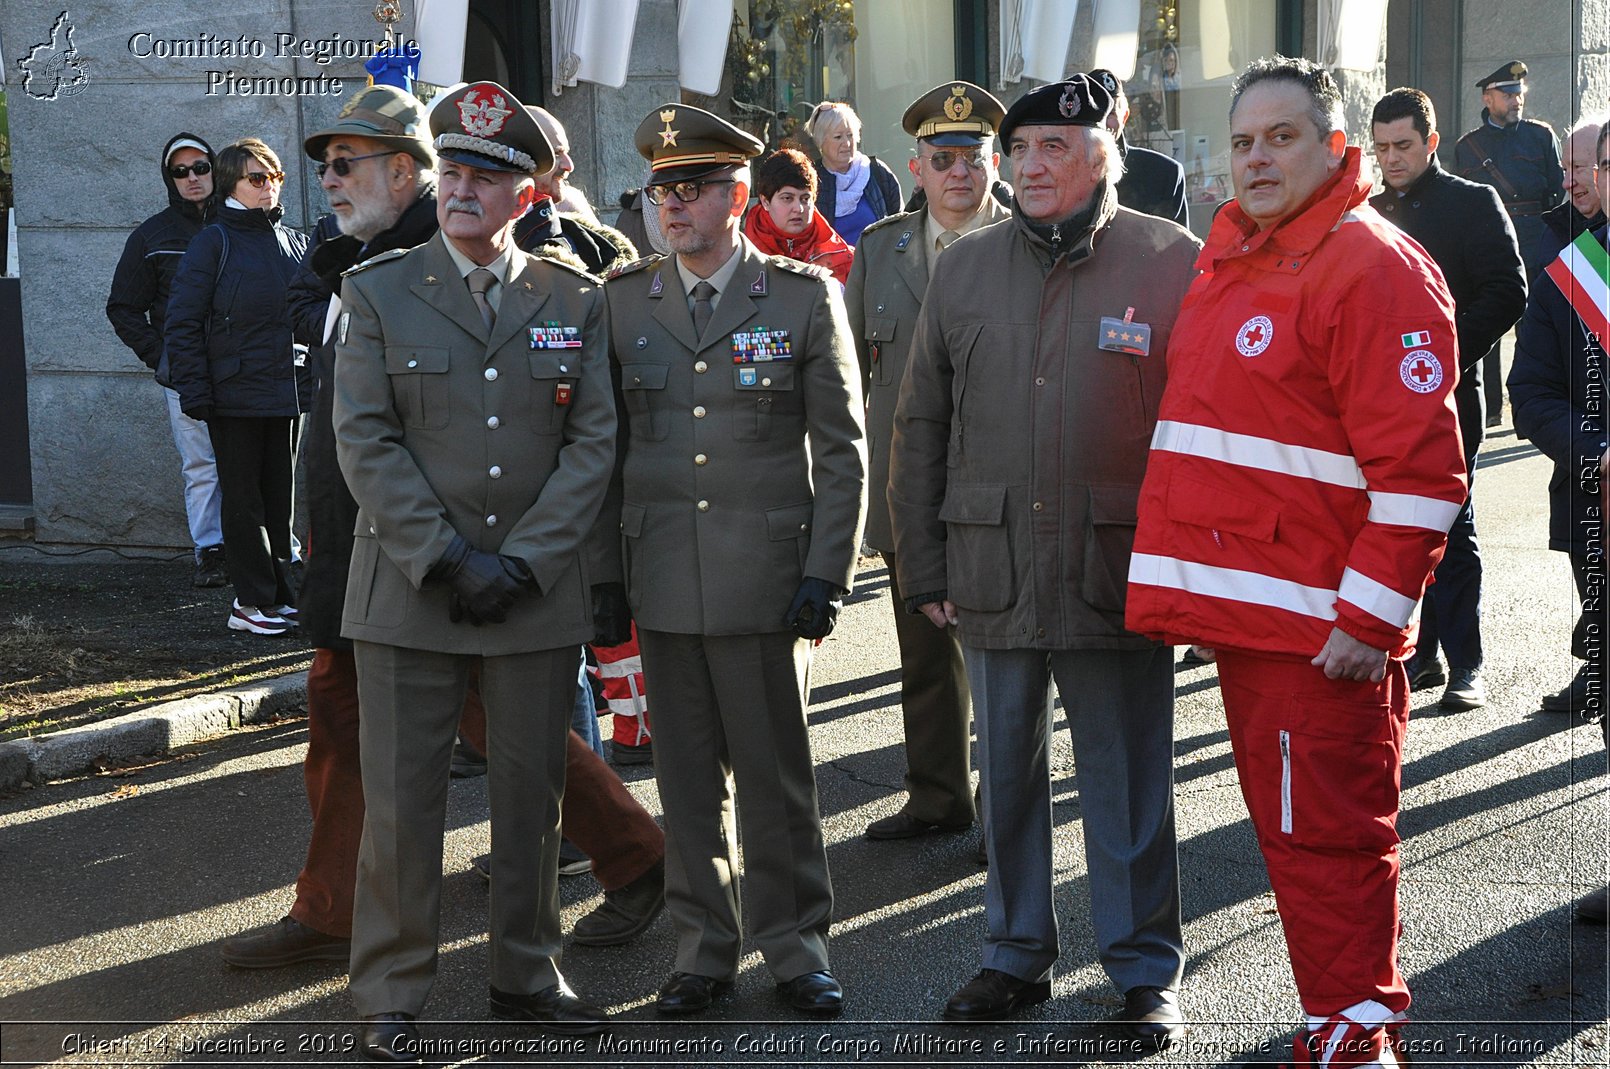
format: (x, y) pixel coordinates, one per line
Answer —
(257, 621)
(287, 613)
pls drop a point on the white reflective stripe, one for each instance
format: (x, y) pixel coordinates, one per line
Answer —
(1232, 584)
(1347, 217)
(1285, 782)
(616, 669)
(1265, 454)
(1412, 510)
(1375, 598)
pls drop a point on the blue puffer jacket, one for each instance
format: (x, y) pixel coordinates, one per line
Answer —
(228, 329)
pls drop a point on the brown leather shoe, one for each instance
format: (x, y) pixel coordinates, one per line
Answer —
(905, 826)
(554, 1008)
(626, 913)
(287, 942)
(994, 996)
(1152, 1015)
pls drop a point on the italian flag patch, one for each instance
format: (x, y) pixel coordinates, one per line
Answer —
(1419, 339)
(1583, 274)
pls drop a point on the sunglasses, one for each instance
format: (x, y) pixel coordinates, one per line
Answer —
(342, 165)
(185, 170)
(943, 161)
(686, 192)
(258, 179)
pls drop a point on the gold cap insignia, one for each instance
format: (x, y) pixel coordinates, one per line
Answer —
(958, 107)
(1517, 69)
(668, 134)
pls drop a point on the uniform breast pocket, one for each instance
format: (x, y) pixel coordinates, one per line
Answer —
(880, 334)
(761, 388)
(419, 386)
(643, 387)
(553, 387)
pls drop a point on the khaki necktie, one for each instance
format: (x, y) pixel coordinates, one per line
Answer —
(702, 308)
(481, 280)
(946, 238)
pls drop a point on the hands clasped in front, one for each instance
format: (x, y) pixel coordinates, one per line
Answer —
(484, 585)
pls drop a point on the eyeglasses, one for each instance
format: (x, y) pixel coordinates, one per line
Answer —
(686, 192)
(258, 179)
(342, 165)
(943, 161)
(185, 170)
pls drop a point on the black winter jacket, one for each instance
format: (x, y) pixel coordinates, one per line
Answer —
(1467, 232)
(229, 331)
(331, 511)
(138, 303)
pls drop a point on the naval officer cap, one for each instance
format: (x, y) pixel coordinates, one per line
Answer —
(381, 113)
(955, 113)
(1078, 100)
(682, 143)
(483, 125)
(1509, 78)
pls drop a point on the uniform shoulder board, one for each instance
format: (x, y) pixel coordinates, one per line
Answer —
(1544, 125)
(563, 257)
(384, 257)
(888, 220)
(809, 270)
(635, 265)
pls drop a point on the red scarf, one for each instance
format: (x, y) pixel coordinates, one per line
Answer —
(820, 244)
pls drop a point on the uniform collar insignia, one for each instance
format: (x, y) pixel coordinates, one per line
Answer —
(657, 287)
(758, 286)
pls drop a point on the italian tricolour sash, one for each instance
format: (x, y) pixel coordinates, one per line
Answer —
(1582, 272)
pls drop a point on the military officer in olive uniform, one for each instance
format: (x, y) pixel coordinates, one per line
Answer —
(475, 425)
(956, 166)
(743, 484)
(1520, 158)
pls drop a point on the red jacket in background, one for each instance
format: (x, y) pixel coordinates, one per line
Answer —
(1306, 464)
(820, 245)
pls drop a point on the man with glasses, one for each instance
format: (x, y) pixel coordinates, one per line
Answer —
(137, 307)
(1558, 389)
(742, 484)
(1020, 440)
(955, 167)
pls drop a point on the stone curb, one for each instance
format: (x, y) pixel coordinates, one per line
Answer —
(154, 730)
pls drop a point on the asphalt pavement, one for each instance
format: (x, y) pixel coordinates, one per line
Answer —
(114, 891)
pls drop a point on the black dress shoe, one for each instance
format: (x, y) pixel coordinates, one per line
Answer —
(688, 992)
(905, 826)
(555, 1008)
(994, 996)
(1152, 1015)
(815, 993)
(1425, 671)
(287, 942)
(1464, 691)
(390, 1037)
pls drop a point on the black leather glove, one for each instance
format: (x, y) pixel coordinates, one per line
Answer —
(199, 413)
(484, 584)
(612, 615)
(815, 608)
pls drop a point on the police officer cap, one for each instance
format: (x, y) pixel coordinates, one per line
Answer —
(955, 113)
(1077, 101)
(483, 125)
(1508, 77)
(381, 113)
(682, 143)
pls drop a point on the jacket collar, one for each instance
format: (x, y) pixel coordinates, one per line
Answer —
(252, 218)
(1299, 234)
(1071, 247)
(1431, 174)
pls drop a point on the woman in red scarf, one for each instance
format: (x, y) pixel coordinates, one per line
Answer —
(786, 222)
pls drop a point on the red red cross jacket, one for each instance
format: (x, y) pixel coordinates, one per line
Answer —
(1306, 464)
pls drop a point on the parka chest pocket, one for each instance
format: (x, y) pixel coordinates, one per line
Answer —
(880, 334)
(643, 386)
(554, 376)
(757, 386)
(419, 385)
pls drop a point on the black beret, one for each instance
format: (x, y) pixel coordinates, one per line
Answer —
(1078, 101)
(1509, 74)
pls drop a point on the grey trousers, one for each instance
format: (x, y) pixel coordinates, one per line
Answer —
(411, 701)
(1120, 706)
(730, 709)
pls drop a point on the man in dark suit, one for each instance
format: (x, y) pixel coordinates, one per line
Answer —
(743, 484)
(479, 449)
(1464, 228)
(1152, 183)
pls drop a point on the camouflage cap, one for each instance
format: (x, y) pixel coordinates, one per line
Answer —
(955, 113)
(682, 143)
(484, 125)
(381, 113)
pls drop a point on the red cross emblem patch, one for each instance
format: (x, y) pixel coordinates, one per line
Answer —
(1254, 336)
(1421, 371)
